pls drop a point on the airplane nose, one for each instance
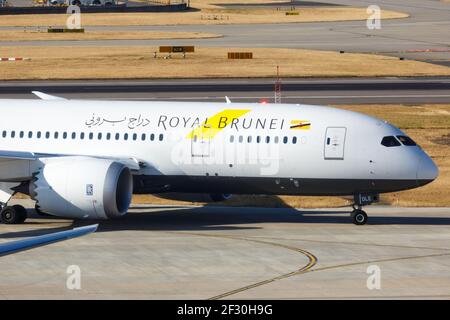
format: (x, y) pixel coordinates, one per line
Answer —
(427, 170)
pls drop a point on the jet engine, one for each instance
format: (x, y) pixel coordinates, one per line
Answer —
(82, 187)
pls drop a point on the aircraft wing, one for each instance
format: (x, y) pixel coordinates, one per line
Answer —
(22, 155)
(132, 163)
(33, 242)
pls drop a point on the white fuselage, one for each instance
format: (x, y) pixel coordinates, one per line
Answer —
(219, 147)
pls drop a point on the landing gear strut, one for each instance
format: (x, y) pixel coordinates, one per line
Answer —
(358, 215)
(15, 214)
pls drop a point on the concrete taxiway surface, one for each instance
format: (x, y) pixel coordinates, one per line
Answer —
(182, 252)
(304, 91)
(422, 36)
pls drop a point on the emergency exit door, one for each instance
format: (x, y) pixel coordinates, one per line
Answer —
(335, 143)
(200, 142)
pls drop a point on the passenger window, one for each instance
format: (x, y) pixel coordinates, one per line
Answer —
(47, 135)
(407, 141)
(91, 135)
(134, 136)
(258, 139)
(161, 137)
(241, 138)
(152, 137)
(13, 134)
(285, 140)
(4, 134)
(56, 135)
(99, 136)
(38, 134)
(117, 136)
(21, 134)
(390, 141)
(30, 134)
(108, 136)
(231, 138)
(267, 139)
(82, 135)
(294, 140)
(65, 135)
(249, 139)
(74, 135)
(125, 136)
(276, 139)
(143, 137)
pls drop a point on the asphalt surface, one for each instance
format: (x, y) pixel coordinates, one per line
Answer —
(422, 36)
(185, 252)
(306, 91)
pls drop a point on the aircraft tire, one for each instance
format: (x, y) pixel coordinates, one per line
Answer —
(359, 217)
(13, 215)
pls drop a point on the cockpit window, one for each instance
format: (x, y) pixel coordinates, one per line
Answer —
(390, 141)
(407, 141)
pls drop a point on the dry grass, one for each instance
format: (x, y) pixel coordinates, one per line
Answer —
(137, 62)
(229, 16)
(428, 125)
(253, 201)
(14, 35)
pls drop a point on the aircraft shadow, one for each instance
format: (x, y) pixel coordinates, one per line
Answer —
(209, 218)
(232, 218)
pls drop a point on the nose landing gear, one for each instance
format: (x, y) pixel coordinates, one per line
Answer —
(358, 215)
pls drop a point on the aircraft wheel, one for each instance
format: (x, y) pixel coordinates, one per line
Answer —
(359, 217)
(13, 215)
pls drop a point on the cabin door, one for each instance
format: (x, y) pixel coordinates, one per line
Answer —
(335, 143)
(201, 142)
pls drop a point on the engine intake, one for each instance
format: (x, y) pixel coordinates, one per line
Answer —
(82, 187)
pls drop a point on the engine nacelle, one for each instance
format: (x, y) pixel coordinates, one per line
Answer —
(82, 187)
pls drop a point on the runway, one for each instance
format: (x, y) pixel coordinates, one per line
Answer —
(303, 91)
(422, 36)
(186, 252)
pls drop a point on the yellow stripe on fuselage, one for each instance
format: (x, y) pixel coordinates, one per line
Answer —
(216, 123)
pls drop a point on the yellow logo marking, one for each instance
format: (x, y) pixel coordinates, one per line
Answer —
(212, 126)
(300, 124)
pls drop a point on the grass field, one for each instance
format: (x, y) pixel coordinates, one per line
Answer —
(208, 15)
(15, 35)
(138, 62)
(428, 125)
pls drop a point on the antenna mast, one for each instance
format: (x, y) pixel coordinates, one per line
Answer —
(278, 87)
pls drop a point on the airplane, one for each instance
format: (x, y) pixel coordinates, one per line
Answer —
(83, 159)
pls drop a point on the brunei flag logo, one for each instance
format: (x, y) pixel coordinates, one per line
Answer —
(300, 124)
